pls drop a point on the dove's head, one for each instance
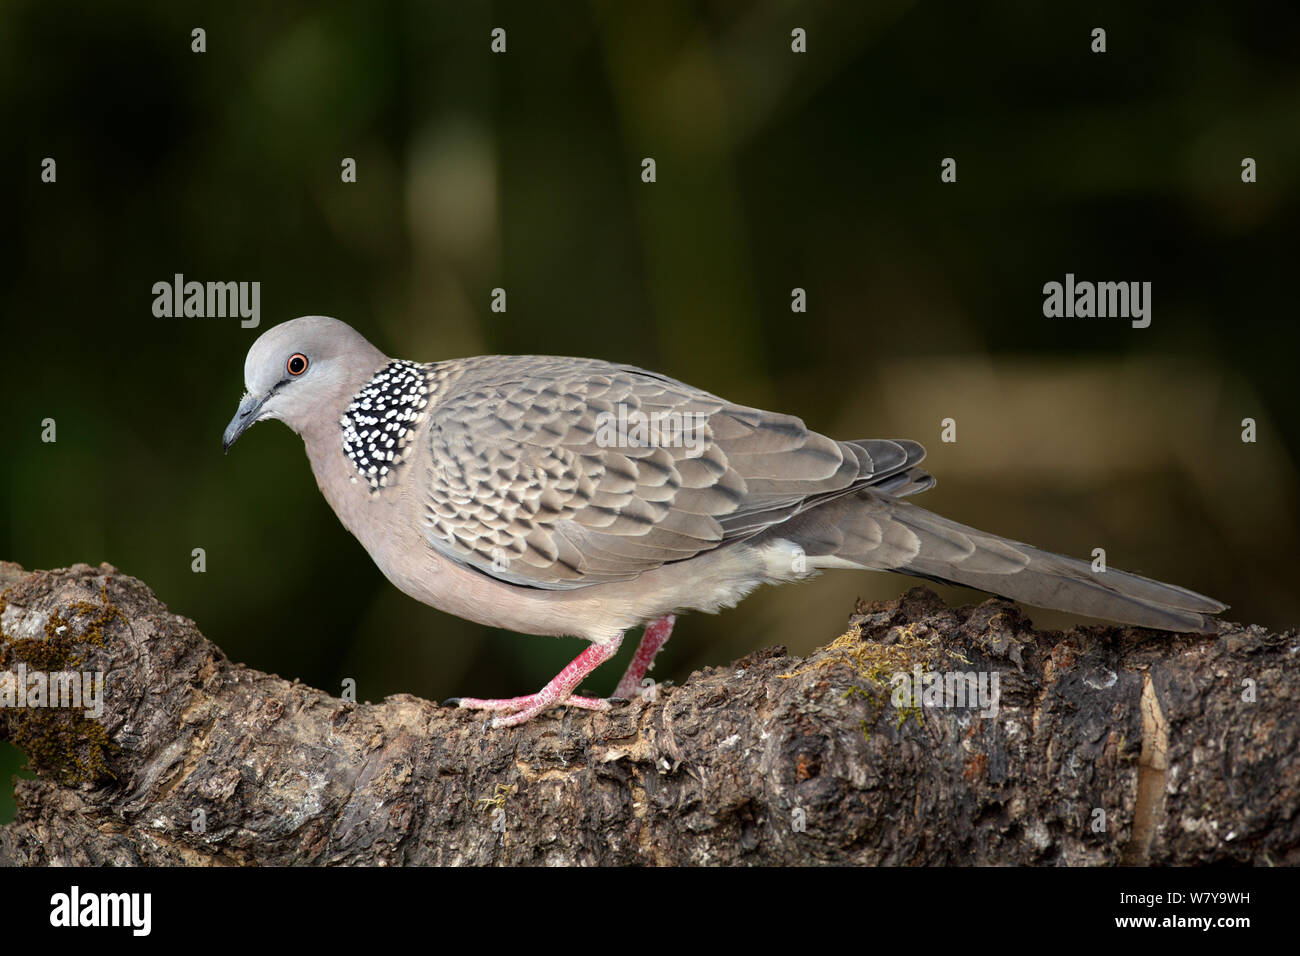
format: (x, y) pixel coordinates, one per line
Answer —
(302, 371)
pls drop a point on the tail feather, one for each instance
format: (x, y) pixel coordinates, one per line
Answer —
(873, 530)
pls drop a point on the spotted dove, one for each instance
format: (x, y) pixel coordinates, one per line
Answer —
(569, 496)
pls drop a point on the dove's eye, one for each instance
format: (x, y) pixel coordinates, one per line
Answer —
(297, 363)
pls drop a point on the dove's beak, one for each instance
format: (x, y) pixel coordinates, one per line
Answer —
(245, 416)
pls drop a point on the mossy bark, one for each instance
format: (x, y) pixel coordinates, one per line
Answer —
(1109, 746)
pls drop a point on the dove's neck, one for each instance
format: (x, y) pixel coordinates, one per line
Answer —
(336, 476)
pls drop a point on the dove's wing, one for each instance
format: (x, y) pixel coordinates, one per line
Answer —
(562, 473)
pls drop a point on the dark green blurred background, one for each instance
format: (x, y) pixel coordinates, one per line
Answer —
(775, 170)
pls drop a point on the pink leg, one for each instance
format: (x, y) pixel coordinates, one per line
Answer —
(558, 691)
(512, 704)
(656, 636)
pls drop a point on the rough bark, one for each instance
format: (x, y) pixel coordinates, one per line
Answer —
(1110, 746)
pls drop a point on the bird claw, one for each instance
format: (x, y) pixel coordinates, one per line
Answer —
(511, 711)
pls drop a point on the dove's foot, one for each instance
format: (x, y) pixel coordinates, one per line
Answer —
(513, 705)
(516, 710)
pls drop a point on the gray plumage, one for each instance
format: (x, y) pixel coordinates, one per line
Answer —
(574, 496)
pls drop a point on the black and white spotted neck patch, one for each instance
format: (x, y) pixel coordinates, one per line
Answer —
(379, 425)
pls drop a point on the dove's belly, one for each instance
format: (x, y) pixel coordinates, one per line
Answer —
(388, 525)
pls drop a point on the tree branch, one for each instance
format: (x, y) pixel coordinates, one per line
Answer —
(1108, 745)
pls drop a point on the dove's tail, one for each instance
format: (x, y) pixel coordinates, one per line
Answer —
(873, 530)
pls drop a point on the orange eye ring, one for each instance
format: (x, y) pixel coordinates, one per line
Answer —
(297, 364)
